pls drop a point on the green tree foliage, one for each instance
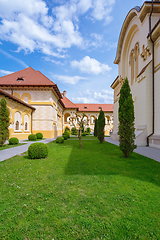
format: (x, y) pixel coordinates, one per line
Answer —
(100, 126)
(126, 120)
(4, 122)
(95, 127)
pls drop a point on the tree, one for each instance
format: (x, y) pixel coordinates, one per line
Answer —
(95, 128)
(126, 120)
(100, 126)
(81, 123)
(4, 122)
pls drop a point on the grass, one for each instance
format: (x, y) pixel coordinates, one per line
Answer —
(89, 193)
(34, 140)
(6, 146)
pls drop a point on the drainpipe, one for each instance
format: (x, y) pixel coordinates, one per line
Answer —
(31, 120)
(11, 89)
(152, 75)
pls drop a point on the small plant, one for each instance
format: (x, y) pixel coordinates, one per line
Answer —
(67, 129)
(38, 151)
(13, 141)
(88, 130)
(59, 140)
(84, 134)
(39, 135)
(32, 137)
(74, 131)
(4, 122)
(65, 136)
(95, 127)
(100, 126)
(68, 134)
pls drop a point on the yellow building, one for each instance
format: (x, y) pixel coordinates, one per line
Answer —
(35, 89)
(36, 105)
(138, 58)
(91, 113)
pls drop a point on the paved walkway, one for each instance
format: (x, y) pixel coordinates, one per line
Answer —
(153, 153)
(10, 152)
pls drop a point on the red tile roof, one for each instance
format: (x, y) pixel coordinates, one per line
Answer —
(68, 103)
(6, 94)
(28, 77)
(88, 107)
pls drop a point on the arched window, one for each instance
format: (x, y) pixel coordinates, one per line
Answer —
(26, 122)
(136, 60)
(132, 67)
(17, 125)
(18, 120)
(26, 126)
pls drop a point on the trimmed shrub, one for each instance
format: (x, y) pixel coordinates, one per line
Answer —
(39, 135)
(68, 134)
(13, 141)
(59, 140)
(38, 151)
(95, 127)
(65, 136)
(84, 134)
(74, 131)
(32, 137)
(100, 126)
(67, 129)
(4, 122)
(88, 130)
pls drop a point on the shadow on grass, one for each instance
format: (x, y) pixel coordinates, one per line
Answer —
(107, 159)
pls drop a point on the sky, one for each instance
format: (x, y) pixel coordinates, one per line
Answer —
(72, 42)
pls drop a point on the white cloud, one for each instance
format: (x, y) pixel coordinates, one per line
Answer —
(4, 72)
(102, 10)
(90, 65)
(106, 96)
(48, 59)
(68, 79)
(29, 25)
(14, 58)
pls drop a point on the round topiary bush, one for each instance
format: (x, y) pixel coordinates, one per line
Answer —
(59, 140)
(39, 135)
(65, 136)
(38, 151)
(68, 134)
(32, 137)
(13, 141)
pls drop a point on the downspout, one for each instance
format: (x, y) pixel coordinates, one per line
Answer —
(11, 89)
(152, 76)
(31, 119)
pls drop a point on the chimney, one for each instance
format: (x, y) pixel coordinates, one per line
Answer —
(64, 93)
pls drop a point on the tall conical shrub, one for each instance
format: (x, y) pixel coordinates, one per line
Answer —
(126, 120)
(4, 122)
(100, 126)
(95, 128)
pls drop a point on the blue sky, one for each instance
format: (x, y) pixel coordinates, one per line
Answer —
(72, 42)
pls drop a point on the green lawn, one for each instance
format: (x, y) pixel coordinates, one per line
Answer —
(89, 193)
(6, 146)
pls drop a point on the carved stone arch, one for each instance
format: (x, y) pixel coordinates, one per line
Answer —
(127, 52)
(66, 116)
(136, 46)
(25, 96)
(16, 95)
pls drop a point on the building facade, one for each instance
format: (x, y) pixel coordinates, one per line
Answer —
(138, 59)
(36, 105)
